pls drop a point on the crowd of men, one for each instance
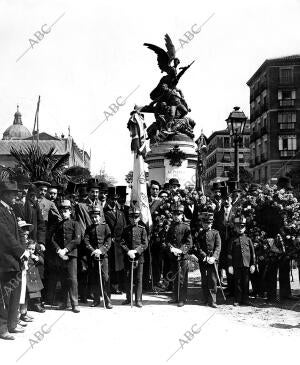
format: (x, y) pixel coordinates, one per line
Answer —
(69, 246)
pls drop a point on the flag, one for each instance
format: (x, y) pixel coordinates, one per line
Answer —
(139, 196)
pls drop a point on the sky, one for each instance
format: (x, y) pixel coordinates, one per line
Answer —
(93, 56)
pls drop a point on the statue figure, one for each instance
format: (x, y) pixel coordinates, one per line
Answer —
(168, 103)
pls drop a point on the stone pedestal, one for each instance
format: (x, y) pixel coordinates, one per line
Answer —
(159, 165)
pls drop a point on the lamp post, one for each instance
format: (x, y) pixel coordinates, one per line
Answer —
(236, 124)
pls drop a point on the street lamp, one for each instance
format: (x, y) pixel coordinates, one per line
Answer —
(236, 124)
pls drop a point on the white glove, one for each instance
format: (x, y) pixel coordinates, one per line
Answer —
(43, 248)
(252, 269)
(131, 254)
(230, 270)
(97, 252)
(176, 251)
(62, 253)
(211, 260)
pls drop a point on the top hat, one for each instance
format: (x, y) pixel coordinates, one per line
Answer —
(112, 192)
(121, 190)
(103, 187)
(9, 186)
(174, 181)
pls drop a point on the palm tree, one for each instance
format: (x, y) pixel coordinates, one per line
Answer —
(36, 165)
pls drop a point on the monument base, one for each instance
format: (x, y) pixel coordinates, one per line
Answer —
(162, 168)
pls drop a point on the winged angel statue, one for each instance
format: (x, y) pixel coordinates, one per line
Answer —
(168, 103)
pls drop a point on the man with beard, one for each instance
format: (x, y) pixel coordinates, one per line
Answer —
(116, 221)
(11, 254)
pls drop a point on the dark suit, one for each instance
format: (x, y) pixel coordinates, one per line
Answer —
(241, 256)
(116, 221)
(208, 244)
(66, 235)
(98, 237)
(11, 250)
(179, 236)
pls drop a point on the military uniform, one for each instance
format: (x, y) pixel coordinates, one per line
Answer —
(66, 235)
(241, 256)
(134, 237)
(208, 244)
(179, 236)
(98, 237)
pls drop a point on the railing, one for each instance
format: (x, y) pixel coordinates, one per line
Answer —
(287, 102)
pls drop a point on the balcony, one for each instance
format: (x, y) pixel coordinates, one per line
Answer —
(287, 153)
(287, 102)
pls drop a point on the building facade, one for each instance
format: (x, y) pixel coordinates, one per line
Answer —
(275, 118)
(219, 159)
(19, 137)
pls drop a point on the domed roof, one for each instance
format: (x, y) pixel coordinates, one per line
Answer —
(17, 130)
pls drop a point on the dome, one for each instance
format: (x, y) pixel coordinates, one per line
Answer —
(17, 130)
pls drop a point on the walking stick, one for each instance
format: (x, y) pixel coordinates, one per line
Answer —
(218, 278)
(2, 297)
(131, 283)
(101, 284)
(179, 278)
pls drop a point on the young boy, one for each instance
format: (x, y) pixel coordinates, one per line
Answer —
(64, 251)
(179, 242)
(34, 282)
(134, 242)
(241, 257)
(97, 241)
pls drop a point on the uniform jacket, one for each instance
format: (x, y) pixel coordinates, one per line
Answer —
(98, 236)
(241, 252)
(66, 235)
(208, 243)
(33, 215)
(134, 237)
(179, 236)
(11, 248)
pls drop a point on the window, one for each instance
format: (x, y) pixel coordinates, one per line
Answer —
(226, 142)
(286, 97)
(287, 120)
(287, 143)
(285, 75)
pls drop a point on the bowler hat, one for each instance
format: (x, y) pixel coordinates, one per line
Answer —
(32, 189)
(92, 184)
(174, 181)
(9, 186)
(40, 183)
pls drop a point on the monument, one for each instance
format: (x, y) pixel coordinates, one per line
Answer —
(172, 148)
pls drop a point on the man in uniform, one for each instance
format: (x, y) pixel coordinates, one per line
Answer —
(134, 242)
(97, 241)
(241, 257)
(207, 249)
(64, 252)
(179, 242)
(47, 206)
(11, 254)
